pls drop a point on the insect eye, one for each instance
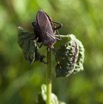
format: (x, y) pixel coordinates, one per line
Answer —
(69, 57)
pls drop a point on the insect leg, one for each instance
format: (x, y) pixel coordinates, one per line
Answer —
(56, 28)
(39, 57)
(59, 25)
(34, 23)
(39, 45)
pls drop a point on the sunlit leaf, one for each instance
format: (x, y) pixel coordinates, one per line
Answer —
(42, 97)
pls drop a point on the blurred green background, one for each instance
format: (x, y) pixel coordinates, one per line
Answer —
(20, 82)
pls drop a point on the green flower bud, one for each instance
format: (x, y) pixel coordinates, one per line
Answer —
(69, 56)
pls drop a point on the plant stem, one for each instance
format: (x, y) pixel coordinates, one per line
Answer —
(62, 36)
(48, 77)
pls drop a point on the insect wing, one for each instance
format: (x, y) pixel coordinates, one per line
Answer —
(44, 23)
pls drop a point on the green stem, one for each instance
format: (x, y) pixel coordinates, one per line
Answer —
(49, 74)
(49, 77)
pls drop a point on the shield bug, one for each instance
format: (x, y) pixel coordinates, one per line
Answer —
(45, 29)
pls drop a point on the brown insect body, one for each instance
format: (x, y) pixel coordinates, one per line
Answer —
(44, 29)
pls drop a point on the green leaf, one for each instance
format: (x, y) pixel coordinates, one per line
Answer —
(42, 97)
(27, 43)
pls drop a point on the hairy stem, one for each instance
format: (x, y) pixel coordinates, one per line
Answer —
(61, 36)
(48, 77)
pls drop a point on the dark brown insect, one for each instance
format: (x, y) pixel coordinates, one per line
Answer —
(45, 29)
